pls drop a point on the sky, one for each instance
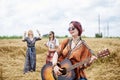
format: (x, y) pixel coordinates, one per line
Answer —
(18, 16)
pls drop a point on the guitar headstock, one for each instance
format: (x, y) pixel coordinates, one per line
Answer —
(103, 53)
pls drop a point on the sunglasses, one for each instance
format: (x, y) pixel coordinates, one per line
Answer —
(50, 34)
(71, 28)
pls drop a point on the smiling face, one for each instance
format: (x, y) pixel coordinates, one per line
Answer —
(72, 30)
(50, 34)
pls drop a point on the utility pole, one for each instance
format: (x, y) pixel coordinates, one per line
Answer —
(107, 29)
(99, 23)
(99, 34)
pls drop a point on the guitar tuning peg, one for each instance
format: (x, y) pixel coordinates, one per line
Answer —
(105, 56)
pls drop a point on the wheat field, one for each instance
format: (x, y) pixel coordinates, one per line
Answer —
(13, 52)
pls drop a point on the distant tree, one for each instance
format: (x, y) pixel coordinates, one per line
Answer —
(45, 35)
(83, 36)
(10, 37)
(98, 35)
(66, 36)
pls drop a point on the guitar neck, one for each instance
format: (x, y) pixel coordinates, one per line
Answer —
(99, 55)
(78, 64)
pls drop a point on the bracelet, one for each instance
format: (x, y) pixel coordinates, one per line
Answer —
(54, 65)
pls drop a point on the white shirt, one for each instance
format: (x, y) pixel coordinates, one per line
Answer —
(52, 44)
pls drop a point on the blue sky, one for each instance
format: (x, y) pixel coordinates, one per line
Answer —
(17, 16)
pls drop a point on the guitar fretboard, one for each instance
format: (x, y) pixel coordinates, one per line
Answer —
(78, 64)
(101, 54)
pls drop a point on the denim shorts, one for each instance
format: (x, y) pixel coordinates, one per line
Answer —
(82, 79)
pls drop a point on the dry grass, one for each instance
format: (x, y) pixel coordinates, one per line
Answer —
(12, 57)
(105, 68)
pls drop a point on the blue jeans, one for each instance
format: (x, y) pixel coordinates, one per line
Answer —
(82, 79)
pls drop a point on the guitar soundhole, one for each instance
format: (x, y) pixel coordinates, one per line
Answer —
(64, 71)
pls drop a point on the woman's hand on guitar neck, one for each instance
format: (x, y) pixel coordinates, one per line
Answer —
(57, 70)
(93, 58)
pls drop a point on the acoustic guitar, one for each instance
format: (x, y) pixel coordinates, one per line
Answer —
(68, 69)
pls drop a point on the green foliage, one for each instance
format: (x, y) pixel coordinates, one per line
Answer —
(10, 37)
(45, 35)
(98, 35)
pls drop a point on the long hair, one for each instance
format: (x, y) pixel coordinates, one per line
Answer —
(30, 32)
(53, 35)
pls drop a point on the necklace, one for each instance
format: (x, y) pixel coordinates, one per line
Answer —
(76, 40)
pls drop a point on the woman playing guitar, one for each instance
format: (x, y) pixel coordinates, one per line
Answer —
(71, 58)
(75, 50)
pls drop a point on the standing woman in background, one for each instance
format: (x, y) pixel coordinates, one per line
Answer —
(52, 44)
(30, 62)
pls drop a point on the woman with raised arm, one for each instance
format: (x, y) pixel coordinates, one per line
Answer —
(30, 62)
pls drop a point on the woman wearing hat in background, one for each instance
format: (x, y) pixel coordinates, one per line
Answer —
(30, 62)
(75, 50)
(52, 44)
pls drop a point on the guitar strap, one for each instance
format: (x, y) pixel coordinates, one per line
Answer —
(70, 44)
(91, 51)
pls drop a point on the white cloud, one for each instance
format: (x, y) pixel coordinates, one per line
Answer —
(16, 16)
